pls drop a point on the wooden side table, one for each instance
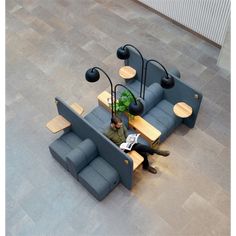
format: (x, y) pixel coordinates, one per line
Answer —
(146, 130)
(136, 157)
(183, 110)
(76, 107)
(57, 124)
(127, 72)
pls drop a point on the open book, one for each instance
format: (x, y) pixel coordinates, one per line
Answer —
(130, 141)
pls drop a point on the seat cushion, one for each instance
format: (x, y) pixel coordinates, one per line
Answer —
(158, 125)
(96, 122)
(163, 118)
(166, 106)
(153, 96)
(71, 139)
(76, 161)
(166, 119)
(105, 170)
(59, 149)
(95, 183)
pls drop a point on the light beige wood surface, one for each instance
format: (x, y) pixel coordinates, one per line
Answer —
(182, 110)
(77, 108)
(103, 100)
(57, 124)
(127, 72)
(149, 132)
(136, 157)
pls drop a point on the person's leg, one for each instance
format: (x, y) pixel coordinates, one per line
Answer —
(149, 150)
(146, 165)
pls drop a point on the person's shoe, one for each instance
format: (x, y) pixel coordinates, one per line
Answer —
(151, 170)
(163, 153)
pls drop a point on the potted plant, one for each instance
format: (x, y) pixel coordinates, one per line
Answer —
(122, 104)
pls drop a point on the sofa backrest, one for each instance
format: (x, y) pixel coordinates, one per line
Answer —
(109, 151)
(181, 92)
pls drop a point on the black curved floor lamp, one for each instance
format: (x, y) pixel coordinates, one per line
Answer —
(92, 75)
(136, 107)
(167, 81)
(123, 54)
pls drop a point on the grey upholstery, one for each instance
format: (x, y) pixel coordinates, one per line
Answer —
(64, 145)
(159, 102)
(81, 156)
(59, 149)
(89, 156)
(99, 178)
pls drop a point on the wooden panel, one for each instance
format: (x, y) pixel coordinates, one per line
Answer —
(137, 159)
(144, 128)
(77, 108)
(57, 124)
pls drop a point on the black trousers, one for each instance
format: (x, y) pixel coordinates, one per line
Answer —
(144, 150)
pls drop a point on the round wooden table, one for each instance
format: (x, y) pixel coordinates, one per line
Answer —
(182, 110)
(127, 72)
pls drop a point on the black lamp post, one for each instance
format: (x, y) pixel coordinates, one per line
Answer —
(92, 75)
(136, 107)
(123, 54)
(167, 81)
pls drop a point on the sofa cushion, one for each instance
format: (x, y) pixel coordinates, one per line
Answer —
(157, 124)
(95, 183)
(76, 161)
(71, 139)
(166, 106)
(163, 118)
(95, 122)
(166, 119)
(134, 87)
(102, 114)
(59, 150)
(153, 95)
(105, 170)
(89, 149)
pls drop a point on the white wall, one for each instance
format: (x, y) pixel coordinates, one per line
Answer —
(206, 17)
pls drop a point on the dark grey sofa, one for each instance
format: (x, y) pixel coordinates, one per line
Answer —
(159, 102)
(89, 156)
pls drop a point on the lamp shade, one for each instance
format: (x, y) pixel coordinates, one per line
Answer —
(136, 108)
(167, 82)
(92, 75)
(123, 53)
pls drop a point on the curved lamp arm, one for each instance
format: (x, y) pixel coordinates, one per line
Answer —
(126, 55)
(92, 75)
(137, 109)
(168, 77)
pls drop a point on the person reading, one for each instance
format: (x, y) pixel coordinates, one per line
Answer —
(117, 133)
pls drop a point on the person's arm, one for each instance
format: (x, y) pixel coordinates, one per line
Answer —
(125, 131)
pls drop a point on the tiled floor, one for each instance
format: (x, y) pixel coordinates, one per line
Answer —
(49, 46)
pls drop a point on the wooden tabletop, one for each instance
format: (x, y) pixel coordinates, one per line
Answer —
(127, 72)
(57, 124)
(144, 128)
(182, 110)
(136, 157)
(77, 108)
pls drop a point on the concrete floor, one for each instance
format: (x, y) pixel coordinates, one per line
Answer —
(49, 46)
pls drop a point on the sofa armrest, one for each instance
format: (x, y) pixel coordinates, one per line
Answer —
(81, 156)
(76, 161)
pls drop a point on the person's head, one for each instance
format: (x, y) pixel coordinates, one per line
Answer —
(116, 122)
